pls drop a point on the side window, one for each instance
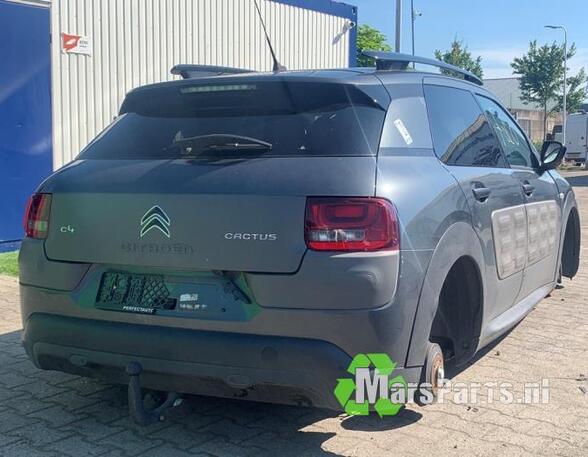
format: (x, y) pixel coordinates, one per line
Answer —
(406, 125)
(461, 133)
(513, 141)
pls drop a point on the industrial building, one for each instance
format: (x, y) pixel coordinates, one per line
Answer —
(67, 64)
(530, 116)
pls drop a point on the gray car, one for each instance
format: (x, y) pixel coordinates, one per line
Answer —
(247, 235)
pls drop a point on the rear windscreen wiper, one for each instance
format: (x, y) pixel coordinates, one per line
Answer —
(217, 141)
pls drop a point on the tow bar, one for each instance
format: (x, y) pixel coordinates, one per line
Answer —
(137, 410)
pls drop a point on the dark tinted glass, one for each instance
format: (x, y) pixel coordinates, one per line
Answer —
(512, 139)
(461, 133)
(240, 120)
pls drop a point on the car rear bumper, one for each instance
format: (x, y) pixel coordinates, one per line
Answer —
(254, 367)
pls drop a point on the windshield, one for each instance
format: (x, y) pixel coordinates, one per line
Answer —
(269, 119)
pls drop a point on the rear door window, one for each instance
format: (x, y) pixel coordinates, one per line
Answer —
(461, 134)
(280, 118)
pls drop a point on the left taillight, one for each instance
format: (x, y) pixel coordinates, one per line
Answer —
(351, 224)
(36, 220)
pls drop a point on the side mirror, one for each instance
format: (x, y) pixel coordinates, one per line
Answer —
(552, 153)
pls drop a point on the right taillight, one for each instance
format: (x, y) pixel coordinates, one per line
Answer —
(351, 224)
(36, 221)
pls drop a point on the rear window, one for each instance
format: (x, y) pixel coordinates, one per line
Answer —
(245, 120)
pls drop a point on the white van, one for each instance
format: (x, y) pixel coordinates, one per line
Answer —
(577, 137)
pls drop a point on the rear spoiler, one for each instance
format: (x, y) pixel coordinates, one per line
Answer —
(202, 71)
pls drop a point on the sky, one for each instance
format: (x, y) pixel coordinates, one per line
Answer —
(497, 30)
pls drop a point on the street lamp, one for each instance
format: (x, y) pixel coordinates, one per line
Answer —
(565, 110)
(414, 14)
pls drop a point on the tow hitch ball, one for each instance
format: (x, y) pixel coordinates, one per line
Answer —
(137, 410)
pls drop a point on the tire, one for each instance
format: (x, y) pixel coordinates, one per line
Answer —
(433, 373)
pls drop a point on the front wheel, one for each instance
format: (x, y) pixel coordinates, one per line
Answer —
(432, 376)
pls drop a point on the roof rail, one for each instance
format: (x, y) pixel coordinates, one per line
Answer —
(202, 71)
(398, 61)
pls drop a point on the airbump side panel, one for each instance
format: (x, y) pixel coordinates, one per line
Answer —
(543, 223)
(509, 229)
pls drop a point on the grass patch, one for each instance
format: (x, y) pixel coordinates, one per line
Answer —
(9, 263)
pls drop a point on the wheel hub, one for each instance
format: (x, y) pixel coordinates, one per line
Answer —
(437, 374)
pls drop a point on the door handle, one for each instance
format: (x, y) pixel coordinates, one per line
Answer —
(481, 193)
(528, 188)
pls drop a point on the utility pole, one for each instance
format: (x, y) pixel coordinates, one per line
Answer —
(398, 25)
(565, 98)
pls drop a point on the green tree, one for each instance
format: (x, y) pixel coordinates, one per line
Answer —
(541, 72)
(461, 57)
(575, 93)
(369, 39)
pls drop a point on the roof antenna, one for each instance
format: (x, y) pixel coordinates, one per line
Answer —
(277, 65)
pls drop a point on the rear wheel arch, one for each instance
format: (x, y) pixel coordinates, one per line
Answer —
(459, 246)
(457, 324)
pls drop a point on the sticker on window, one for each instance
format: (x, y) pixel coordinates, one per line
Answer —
(403, 131)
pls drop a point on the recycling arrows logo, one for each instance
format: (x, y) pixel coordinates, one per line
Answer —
(155, 219)
(383, 365)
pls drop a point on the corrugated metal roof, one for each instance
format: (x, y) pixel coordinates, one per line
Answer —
(509, 93)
